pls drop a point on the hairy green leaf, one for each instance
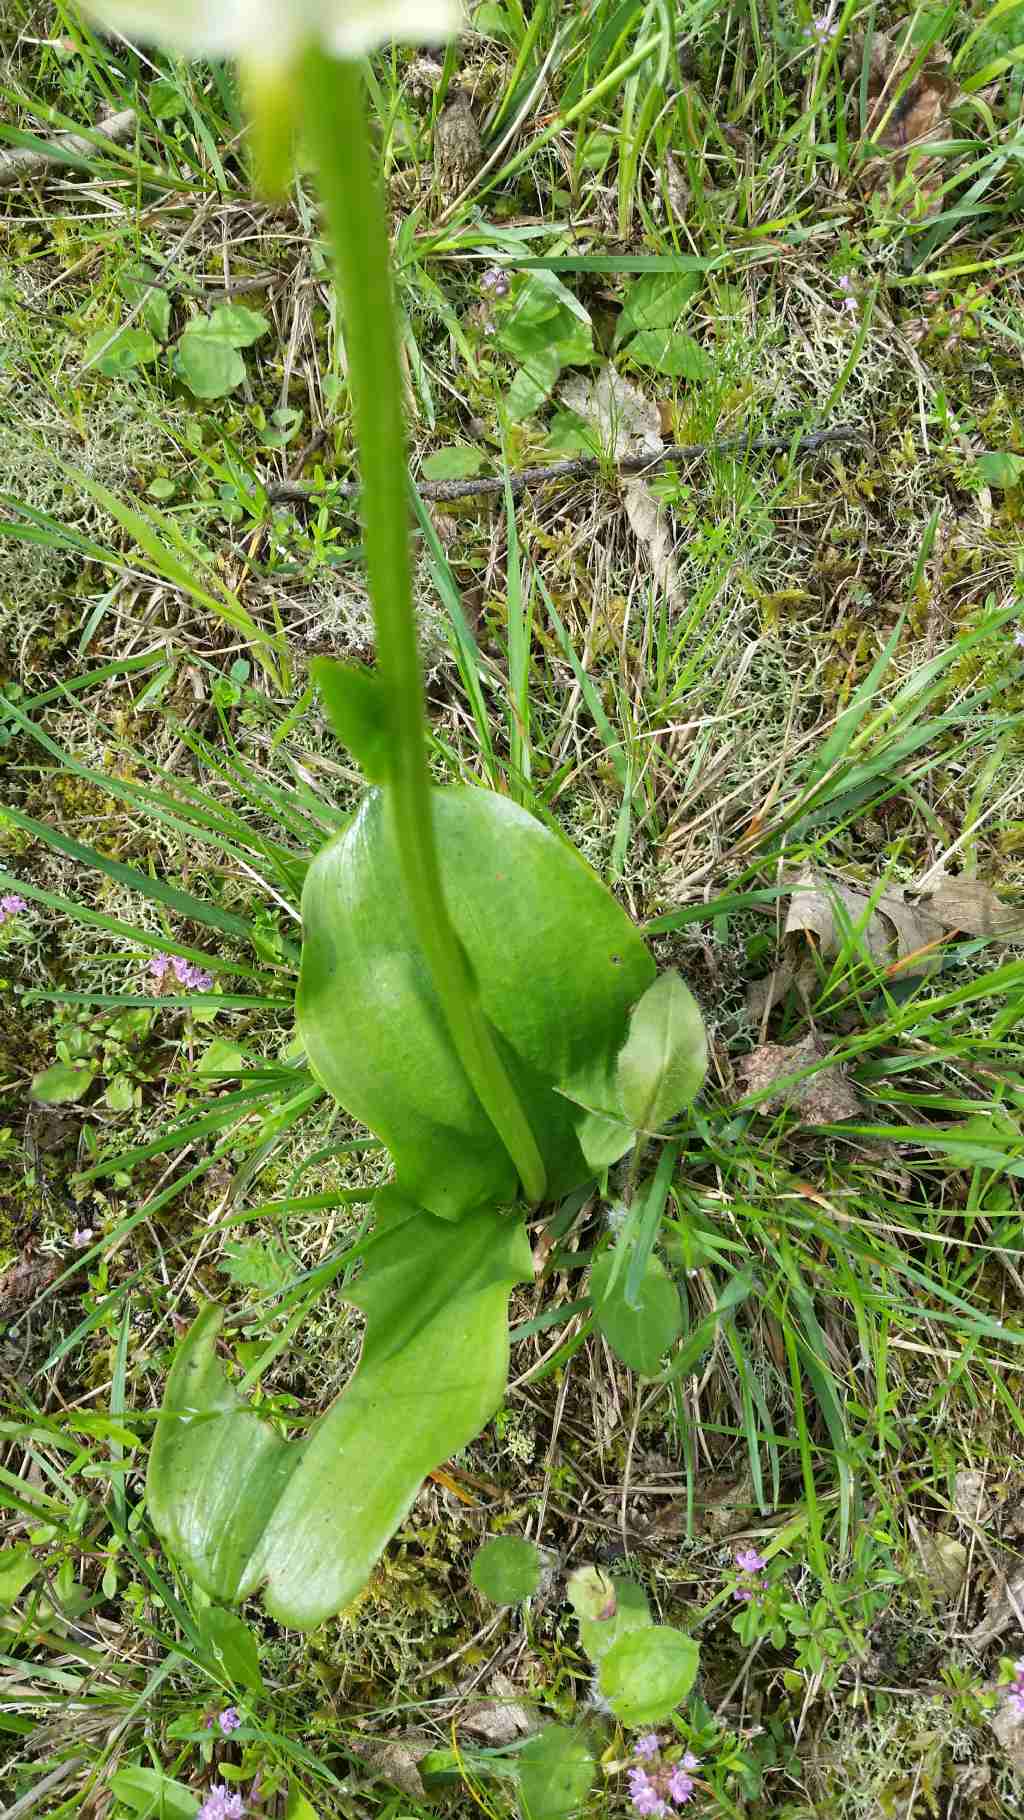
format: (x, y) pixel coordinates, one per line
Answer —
(647, 1672)
(556, 1769)
(506, 1570)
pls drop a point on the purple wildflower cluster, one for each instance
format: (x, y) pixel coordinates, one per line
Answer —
(497, 282)
(195, 978)
(11, 905)
(221, 1805)
(752, 1565)
(1015, 1691)
(658, 1783)
(847, 301)
(821, 32)
(229, 1720)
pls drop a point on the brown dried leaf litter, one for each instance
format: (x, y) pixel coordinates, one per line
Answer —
(898, 930)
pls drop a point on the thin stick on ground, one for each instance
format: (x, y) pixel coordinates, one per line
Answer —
(290, 492)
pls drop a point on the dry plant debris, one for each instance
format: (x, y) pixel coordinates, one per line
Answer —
(823, 1098)
(897, 929)
(629, 424)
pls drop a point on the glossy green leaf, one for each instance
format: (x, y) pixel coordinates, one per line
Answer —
(241, 1508)
(647, 1672)
(356, 703)
(638, 1336)
(63, 1083)
(665, 1056)
(506, 1570)
(229, 1638)
(149, 1791)
(556, 1769)
(632, 1612)
(558, 965)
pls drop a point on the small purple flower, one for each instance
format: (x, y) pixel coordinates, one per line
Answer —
(221, 1805)
(1018, 637)
(158, 966)
(81, 1237)
(680, 1786)
(647, 1745)
(1015, 1691)
(749, 1561)
(743, 1593)
(229, 1720)
(195, 978)
(821, 32)
(496, 281)
(848, 301)
(651, 1789)
(12, 904)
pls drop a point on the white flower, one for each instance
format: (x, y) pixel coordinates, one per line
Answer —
(273, 31)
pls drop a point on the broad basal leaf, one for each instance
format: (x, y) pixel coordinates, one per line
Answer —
(558, 964)
(241, 1508)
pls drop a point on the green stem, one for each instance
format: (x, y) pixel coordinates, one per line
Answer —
(335, 116)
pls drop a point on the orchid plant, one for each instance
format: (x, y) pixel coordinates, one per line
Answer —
(468, 989)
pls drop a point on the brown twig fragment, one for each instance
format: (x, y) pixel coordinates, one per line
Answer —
(28, 161)
(289, 492)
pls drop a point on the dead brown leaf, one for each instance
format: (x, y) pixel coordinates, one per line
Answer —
(501, 1717)
(395, 1759)
(901, 933)
(628, 424)
(1007, 1724)
(902, 121)
(1006, 1607)
(822, 1099)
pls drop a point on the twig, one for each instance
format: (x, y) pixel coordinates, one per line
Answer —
(290, 492)
(28, 161)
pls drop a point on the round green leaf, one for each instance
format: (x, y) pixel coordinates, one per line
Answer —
(638, 1336)
(555, 1772)
(647, 1672)
(64, 1082)
(210, 366)
(506, 1570)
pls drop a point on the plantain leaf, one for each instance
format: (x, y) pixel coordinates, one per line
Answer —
(665, 1056)
(558, 966)
(241, 1508)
